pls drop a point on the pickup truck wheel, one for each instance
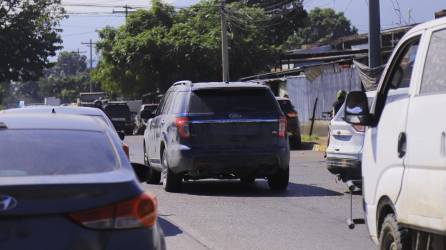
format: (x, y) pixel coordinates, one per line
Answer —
(393, 236)
(154, 176)
(171, 181)
(279, 180)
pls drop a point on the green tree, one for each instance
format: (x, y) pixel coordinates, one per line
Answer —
(160, 46)
(322, 25)
(28, 37)
(65, 80)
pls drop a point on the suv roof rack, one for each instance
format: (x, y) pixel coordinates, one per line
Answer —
(184, 82)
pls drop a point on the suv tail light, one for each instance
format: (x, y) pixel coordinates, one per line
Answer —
(183, 127)
(282, 127)
(138, 212)
(359, 128)
(291, 114)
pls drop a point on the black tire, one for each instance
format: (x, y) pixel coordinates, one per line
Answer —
(393, 236)
(171, 181)
(279, 181)
(248, 180)
(154, 176)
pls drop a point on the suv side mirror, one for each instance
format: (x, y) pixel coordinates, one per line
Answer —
(142, 171)
(357, 109)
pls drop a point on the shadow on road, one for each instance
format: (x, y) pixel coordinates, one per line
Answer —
(259, 189)
(169, 229)
(304, 146)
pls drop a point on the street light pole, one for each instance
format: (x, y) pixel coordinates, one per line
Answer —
(224, 43)
(374, 34)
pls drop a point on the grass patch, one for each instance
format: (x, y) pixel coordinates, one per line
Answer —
(308, 138)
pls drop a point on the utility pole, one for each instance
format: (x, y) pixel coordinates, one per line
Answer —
(126, 12)
(224, 43)
(374, 34)
(90, 45)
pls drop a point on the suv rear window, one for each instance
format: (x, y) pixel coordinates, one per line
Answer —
(232, 100)
(117, 110)
(55, 152)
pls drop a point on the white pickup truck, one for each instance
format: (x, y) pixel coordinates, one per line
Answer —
(404, 154)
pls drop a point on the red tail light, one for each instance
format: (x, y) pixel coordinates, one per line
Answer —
(183, 127)
(291, 114)
(126, 149)
(138, 212)
(359, 128)
(282, 127)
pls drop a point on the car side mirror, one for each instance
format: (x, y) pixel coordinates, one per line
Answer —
(357, 109)
(142, 171)
(121, 135)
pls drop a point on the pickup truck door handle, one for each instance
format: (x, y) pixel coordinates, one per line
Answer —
(402, 145)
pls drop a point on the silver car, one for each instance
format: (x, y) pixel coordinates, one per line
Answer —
(65, 183)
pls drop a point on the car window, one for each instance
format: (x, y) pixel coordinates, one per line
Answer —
(232, 101)
(402, 71)
(166, 103)
(434, 79)
(170, 103)
(178, 103)
(55, 152)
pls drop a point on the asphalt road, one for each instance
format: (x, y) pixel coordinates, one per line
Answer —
(216, 214)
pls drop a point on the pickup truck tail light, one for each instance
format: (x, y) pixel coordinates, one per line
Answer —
(183, 127)
(139, 212)
(282, 127)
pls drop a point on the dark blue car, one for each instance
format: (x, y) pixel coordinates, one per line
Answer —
(217, 130)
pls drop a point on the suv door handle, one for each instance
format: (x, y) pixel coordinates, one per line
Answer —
(402, 145)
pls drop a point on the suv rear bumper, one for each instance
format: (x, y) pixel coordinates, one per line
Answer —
(207, 163)
(348, 169)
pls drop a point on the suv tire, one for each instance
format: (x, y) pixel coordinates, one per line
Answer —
(279, 181)
(154, 176)
(171, 181)
(393, 236)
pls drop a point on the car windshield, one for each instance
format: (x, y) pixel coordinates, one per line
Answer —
(55, 152)
(232, 101)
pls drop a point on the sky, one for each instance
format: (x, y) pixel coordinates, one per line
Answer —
(81, 28)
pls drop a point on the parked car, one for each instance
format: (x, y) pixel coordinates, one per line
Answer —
(65, 181)
(403, 161)
(120, 115)
(344, 151)
(293, 125)
(146, 113)
(72, 110)
(217, 130)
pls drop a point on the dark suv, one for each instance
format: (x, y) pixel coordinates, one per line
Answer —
(120, 115)
(217, 130)
(293, 127)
